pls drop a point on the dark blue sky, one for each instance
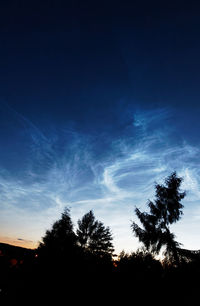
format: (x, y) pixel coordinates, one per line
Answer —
(92, 94)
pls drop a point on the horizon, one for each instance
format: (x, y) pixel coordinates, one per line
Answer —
(97, 103)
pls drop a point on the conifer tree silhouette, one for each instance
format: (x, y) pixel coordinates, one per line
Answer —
(93, 236)
(165, 210)
(58, 248)
(61, 235)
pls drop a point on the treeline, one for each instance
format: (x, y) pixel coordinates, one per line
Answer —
(80, 264)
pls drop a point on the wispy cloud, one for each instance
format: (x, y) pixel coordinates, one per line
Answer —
(150, 159)
(71, 174)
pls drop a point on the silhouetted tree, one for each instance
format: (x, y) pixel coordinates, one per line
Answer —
(141, 264)
(165, 210)
(61, 235)
(58, 249)
(93, 236)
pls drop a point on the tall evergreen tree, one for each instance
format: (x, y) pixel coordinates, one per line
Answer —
(164, 211)
(61, 239)
(93, 236)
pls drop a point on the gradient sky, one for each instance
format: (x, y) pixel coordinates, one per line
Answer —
(98, 101)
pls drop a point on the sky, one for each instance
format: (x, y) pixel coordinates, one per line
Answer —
(99, 100)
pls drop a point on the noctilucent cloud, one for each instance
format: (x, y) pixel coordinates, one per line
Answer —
(97, 103)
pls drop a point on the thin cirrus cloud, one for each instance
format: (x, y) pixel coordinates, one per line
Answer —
(70, 174)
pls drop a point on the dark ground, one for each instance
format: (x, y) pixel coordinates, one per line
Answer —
(25, 280)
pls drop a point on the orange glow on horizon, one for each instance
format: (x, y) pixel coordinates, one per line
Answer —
(19, 242)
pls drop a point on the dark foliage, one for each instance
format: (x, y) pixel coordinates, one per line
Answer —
(61, 265)
(146, 268)
(137, 275)
(59, 244)
(93, 236)
(165, 210)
